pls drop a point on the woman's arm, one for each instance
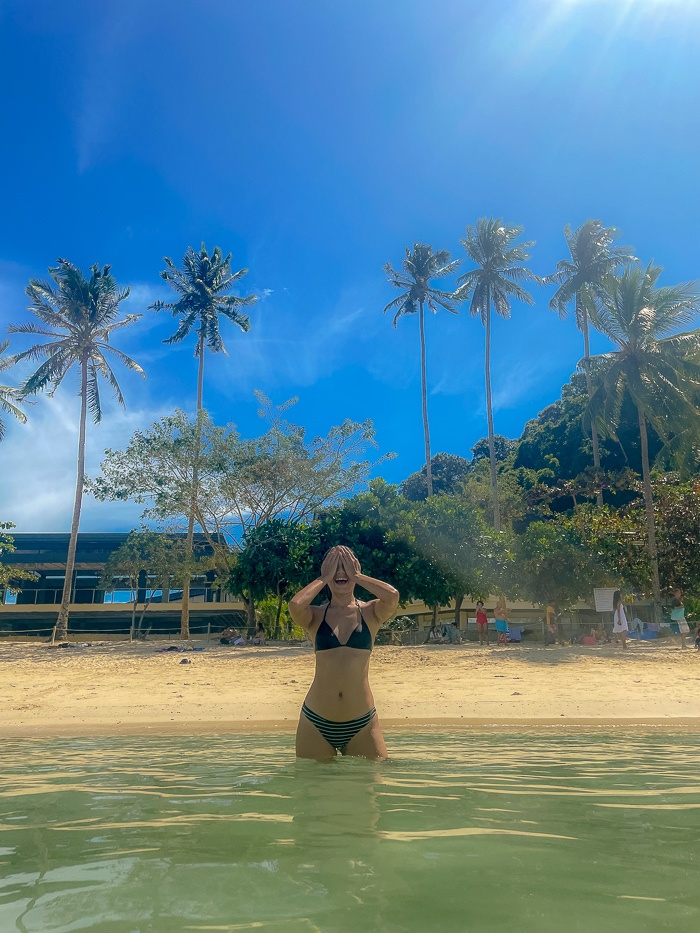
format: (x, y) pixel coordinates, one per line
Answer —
(300, 605)
(384, 607)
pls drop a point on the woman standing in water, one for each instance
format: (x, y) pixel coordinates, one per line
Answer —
(338, 714)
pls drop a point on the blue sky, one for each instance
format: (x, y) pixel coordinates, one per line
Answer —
(315, 140)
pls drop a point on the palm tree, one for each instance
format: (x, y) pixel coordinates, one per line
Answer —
(660, 373)
(202, 284)
(9, 397)
(420, 267)
(79, 317)
(582, 279)
(491, 245)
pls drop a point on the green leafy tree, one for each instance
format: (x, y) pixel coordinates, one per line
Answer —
(147, 561)
(502, 446)
(9, 397)
(495, 282)
(583, 278)
(202, 285)
(448, 472)
(78, 315)
(553, 565)
(660, 373)
(435, 550)
(9, 575)
(275, 560)
(617, 537)
(242, 483)
(421, 268)
(451, 534)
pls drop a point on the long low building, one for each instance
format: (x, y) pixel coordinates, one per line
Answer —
(32, 606)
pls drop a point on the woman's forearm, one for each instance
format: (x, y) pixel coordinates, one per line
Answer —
(383, 591)
(304, 598)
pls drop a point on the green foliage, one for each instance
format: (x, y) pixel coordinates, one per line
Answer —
(431, 550)
(147, 561)
(9, 575)
(79, 318)
(503, 447)
(556, 438)
(554, 566)
(491, 245)
(617, 538)
(448, 471)
(420, 267)
(583, 278)
(153, 554)
(276, 558)
(9, 397)
(241, 483)
(202, 284)
(277, 622)
(659, 373)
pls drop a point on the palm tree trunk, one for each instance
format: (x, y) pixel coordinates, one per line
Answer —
(62, 620)
(649, 508)
(489, 419)
(185, 612)
(424, 390)
(583, 317)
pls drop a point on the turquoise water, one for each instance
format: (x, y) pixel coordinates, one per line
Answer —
(464, 832)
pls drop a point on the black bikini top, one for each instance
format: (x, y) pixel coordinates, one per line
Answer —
(326, 637)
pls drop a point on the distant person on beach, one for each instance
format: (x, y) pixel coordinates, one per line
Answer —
(620, 626)
(338, 714)
(500, 618)
(678, 615)
(550, 637)
(259, 637)
(482, 623)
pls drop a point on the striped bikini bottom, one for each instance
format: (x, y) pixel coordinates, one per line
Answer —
(338, 734)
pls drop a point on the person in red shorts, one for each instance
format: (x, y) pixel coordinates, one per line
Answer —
(482, 623)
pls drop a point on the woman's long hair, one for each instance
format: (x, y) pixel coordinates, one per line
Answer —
(617, 599)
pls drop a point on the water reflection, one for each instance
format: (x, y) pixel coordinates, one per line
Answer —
(459, 831)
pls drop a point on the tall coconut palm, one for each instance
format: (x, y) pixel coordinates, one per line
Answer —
(420, 267)
(582, 279)
(78, 315)
(9, 396)
(659, 371)
(497, 279)
(202, 284)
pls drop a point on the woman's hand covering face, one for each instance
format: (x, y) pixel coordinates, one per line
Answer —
(330, 565)
(350, 563)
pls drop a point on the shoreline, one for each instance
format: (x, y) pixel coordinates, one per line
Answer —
(389, 726)
(123, 689)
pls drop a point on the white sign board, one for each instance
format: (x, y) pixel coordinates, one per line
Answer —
(604, 599)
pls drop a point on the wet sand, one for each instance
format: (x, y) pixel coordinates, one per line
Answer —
(121, 688)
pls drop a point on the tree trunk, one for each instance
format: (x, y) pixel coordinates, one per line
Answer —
(250, 611)
(649, 508)
(424, 391)
(489, 419)
(458, 608)
(185, 612)
(62, 620)
(280, 601)
(583, 317)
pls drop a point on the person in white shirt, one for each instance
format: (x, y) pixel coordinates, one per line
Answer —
(620, 626)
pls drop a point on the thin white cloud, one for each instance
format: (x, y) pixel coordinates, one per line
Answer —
(38, 465)
(106, 76)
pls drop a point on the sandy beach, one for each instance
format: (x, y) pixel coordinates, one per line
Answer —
(122, 688)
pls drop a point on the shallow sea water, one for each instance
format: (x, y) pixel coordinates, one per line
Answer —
(461, 831)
